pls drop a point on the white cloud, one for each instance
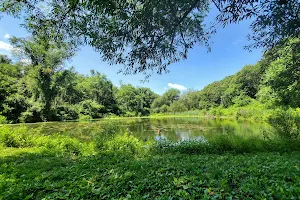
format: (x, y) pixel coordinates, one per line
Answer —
(176, 86)
(6, 36)
(5, 46)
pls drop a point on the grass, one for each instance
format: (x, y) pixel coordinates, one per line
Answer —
(116, 165)
(162, 176)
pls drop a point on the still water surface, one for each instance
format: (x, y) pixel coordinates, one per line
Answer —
(175, 129)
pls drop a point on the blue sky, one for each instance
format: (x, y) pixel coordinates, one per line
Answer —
(198, 70)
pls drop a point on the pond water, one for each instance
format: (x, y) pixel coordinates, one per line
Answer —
(174, 129)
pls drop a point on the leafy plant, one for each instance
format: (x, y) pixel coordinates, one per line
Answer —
(3, 119)
(286, 123)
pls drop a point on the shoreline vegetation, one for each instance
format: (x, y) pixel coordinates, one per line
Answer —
(113, 163)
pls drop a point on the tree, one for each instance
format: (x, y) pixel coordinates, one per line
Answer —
(249, 79)
(190, 99)
(141, 34)
(98, 88)
(211, 95)
(9, 76)
(135, 101)
(150, 35)
(4, 59)
(162, 103)
(177, 106)
(146, 97)
(273, 20)
(283, 74)
(46, 57)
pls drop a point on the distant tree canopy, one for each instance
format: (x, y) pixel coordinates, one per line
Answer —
(149, 35)
(273, 81)
(44, 90)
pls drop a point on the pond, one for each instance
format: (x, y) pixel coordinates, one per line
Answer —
(174, 129)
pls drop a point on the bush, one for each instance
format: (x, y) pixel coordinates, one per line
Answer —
(66, 112)
(13, 106)
(124, 144)
(225, 143)
(116, 140)
(243, 113)
(242, 100)
(34, 113)
(3, 120)
(130, 114)
(17, 137)
(286, 123)
(91, 108)
(59, 144)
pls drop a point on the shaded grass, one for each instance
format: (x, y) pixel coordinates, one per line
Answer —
(164, 176)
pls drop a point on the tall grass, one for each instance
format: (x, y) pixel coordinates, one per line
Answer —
(282, 137)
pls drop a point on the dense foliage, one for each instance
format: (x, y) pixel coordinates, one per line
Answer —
(150, 35)
(26, 97)
(271, 83)
(42, 89)
(112, 163)
(45, 91)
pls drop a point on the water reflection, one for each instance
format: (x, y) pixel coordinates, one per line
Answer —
(182, 129)
(159, 138)
(175, 129)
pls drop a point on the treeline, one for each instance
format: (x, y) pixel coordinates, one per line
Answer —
(25, 96)
(39, 88)
(42, 90)
(272, 82)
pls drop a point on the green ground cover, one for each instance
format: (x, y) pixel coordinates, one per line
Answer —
(116, 165)
(165, 176)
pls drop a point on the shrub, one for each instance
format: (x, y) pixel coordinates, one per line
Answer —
(17, 137)
(22, 137)
(130, 114)
(91, 108)
(59, 144)
(66, 112)
(242, 100)
(243, 113)
(3, 120)
(34, 113)
(286, 123)
(116, 140)
(124, 144)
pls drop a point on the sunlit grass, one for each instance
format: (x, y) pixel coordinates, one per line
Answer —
(114, 164)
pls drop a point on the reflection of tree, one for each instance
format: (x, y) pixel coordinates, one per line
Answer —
(174, 129)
